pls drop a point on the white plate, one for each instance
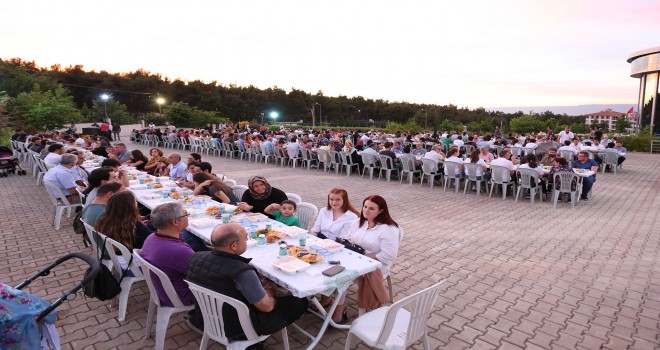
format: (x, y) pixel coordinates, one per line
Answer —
(290, 265)
(292, 231)
(202, 223)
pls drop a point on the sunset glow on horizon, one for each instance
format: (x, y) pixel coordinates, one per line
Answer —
(471, 54)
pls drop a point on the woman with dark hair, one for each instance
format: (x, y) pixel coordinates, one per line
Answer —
(156, 155)
(121, 221)
(216, 189)
(336, 218)
(138, 160)
(533, 163)
(260, 195)
(476, 159)
(378, 234)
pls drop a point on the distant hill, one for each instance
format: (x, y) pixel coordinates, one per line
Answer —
(569, 110)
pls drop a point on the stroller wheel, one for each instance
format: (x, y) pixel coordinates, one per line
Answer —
(23, 172)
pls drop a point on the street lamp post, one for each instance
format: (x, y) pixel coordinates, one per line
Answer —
(160, 102)
(262, 119)
(426, 117)
(105, 98)
(320, 114)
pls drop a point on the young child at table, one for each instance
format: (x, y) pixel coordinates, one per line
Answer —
(284, 212)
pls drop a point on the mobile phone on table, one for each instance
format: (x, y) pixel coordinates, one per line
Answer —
(333, 270)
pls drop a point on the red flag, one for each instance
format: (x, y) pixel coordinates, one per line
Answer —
(630, 111)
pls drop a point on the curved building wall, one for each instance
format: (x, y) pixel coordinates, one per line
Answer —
(645, 65)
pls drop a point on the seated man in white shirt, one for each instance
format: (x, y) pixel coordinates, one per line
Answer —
(568, 146)
(435, 154)
(177, 167)
(55, 152)
(504, 162)
(61, 176)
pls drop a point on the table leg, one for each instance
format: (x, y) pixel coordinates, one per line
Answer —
(327, 318)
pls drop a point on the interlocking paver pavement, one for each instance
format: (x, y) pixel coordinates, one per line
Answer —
(517, 276)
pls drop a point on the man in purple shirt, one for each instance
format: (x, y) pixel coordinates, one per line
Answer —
(165, 250)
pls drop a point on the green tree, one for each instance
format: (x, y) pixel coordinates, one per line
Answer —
(181, 114)
(622, 124)
(486, 125)
(46, 110)
(116, 111)
(580, 128)
(525, 123)
(450, 125)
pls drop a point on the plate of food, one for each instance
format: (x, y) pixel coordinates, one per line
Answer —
(290, 265)
(176, 195)
(152, 195)
(304, 254)
(212, 210)
(139, 187)
(157, 185)
(292, 231)
(329, 245)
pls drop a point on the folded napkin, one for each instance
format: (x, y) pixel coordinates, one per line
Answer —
(152, 195)
(138, 187)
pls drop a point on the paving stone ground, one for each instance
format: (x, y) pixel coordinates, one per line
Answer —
(517, 276)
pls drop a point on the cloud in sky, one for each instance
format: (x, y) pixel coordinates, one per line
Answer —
(473, 53)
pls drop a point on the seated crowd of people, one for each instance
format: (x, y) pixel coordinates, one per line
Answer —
(165, 242)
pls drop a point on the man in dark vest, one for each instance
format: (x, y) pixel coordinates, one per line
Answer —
(224, 270)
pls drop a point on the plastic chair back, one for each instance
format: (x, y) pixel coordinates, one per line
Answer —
(238, 191)
(211, 304)
(499, 174)
(472, 170)
(566, 154)
(231, 183)
(611, 159)
(306, 213)
(452, 169)
(419, 305)
(294, 197)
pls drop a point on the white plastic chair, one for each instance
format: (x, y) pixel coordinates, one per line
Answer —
(163, 312)
(452, 173)
(388, 279)
(611, 159)
(566, 154)
(120, 263)
(211, 304)
(43, 169)
(429, 169)
(238, 191)
(60, 202)
(324, 159)
(387, 166)
(93, 242)
(294, 197)
(335, 160)
(408, 169)
(565, 180)
(347, 162)
(306, 213)
(471, 170)
(370, 162)
(528, 180)
(294, 155)
(308, 158)
(498, 177)
(399, 325)
(231, 183)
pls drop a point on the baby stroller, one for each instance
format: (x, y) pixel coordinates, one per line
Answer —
(9, 163)
(28, 321)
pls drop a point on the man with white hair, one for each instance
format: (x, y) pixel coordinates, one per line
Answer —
(177, 167)
(61, 176)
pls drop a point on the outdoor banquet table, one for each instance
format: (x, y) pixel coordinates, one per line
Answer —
(303, 284)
